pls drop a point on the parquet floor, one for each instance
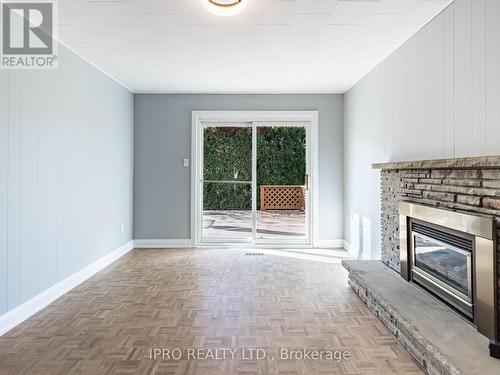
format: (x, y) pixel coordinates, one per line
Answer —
(205, 299)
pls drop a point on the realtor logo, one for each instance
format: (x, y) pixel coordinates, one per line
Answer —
(28, 35)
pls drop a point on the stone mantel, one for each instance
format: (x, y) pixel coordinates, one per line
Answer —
(480, 162)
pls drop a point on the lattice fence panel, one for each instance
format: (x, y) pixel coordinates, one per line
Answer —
(282, 197)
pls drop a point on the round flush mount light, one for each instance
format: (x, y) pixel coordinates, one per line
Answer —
(225, 7)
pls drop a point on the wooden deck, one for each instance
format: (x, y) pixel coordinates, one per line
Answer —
(270, 224)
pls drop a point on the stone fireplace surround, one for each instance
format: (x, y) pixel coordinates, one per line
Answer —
(469, 185)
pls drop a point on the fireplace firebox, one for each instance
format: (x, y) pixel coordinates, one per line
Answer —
(452, 255)
(441, 262)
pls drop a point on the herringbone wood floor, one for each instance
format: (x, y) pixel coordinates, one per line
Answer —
(204, 299)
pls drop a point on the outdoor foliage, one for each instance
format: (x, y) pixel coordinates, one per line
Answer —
(281, 160)
(281, 156)
(227, 157)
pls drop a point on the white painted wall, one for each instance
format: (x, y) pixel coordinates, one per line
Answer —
(66, 163)
(437, 96)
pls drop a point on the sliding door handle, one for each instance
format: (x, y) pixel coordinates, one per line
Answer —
(307, 182)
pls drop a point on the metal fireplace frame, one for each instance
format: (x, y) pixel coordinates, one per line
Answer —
(483, 230)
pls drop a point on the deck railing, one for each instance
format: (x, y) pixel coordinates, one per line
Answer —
(282, 197)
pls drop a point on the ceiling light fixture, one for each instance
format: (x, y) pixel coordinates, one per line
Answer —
(225, 7)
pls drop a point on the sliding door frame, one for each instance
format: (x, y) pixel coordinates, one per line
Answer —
(199, 117)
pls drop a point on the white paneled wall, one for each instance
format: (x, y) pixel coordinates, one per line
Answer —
(492, 64)
(66, 162)
(4, 186)
(437, 96)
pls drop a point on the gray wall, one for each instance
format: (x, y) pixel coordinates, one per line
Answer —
(163, 139)
(437, 96)
(66, 163)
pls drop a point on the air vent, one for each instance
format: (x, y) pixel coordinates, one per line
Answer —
(446, 237)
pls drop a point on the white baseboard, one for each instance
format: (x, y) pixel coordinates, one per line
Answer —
(330, 244)
(22, 312)
(355, 251)
(163, 244)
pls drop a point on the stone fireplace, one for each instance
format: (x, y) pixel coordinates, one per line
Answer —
(440, 231)
(466, 189)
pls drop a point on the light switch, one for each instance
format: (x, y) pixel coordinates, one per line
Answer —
(186, 162)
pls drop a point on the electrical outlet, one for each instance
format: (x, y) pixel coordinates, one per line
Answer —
(122, 229)
(186, 162)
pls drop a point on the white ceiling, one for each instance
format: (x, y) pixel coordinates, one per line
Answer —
(275, 46)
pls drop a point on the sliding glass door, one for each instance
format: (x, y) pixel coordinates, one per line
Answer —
(282, 182)
(227, 183)
(254, 183)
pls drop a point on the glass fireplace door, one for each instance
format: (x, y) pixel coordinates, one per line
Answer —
(444, 269)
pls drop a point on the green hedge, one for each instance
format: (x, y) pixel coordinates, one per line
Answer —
(281, 160)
